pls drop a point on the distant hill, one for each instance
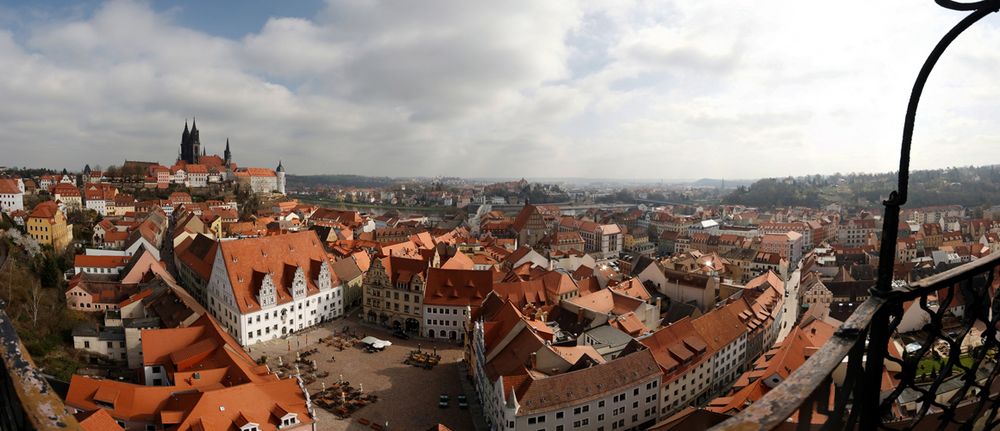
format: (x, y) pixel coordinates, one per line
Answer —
(719, 183)
(308, 181)
(966, 186)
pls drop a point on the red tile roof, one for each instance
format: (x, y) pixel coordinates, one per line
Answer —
(47, 210)
(84, 261)
(248, 261)
(9, 186)
(457, 287)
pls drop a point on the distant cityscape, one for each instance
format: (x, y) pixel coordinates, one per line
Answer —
(201, 294)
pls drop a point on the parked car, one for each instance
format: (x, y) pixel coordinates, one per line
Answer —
(400, 334)
(463, 402)
(443, 401)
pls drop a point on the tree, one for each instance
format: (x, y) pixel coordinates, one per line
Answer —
(34, 303)
(49, 271)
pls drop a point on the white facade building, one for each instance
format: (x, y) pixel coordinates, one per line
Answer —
(11, 195)
(263, 288)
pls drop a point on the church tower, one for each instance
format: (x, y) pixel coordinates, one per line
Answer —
(195, 143)
(227, 156)
(185, 144)
(281, 178)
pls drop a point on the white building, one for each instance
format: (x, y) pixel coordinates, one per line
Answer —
(263, 288)
(449, 296)
(260, 180)
(526, 383)
(11, 195)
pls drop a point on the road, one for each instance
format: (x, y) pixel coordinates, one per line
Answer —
(790, 314)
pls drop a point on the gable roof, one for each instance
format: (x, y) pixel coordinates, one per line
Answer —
(457, 287)
(248, 261)
(9, 187)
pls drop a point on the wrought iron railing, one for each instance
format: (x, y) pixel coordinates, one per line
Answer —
(860, 379)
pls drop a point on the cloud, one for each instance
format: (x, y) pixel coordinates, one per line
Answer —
(523, 88)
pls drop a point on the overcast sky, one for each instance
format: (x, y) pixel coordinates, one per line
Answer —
(607, 89)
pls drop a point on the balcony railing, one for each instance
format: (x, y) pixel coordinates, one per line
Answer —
(859, 379)
(832, 389)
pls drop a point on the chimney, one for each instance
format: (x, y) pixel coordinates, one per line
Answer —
(534, 360)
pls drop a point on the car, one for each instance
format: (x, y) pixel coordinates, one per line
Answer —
(400, 334)
(463, 402)
(443, 401)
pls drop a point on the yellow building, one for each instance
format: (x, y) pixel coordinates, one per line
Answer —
(47, 225)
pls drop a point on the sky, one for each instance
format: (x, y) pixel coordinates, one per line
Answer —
(519, 88)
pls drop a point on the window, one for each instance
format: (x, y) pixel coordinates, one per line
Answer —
(559, 415)
(86, 344)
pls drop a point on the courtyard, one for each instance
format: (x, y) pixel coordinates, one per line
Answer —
(406, 396)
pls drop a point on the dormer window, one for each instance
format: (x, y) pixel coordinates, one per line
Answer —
(288, 420)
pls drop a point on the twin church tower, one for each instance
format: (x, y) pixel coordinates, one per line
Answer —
(191, 150)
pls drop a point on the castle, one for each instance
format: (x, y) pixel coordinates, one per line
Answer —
(194, 160)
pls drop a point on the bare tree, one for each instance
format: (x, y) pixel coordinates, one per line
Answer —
(34, 302)
(10, 278)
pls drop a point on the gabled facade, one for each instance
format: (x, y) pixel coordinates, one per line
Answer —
(47, 225)
(263, 288)
(394, 293)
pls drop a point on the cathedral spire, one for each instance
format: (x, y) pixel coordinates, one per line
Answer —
(185, 142)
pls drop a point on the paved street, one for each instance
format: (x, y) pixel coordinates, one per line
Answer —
(407, 396)
(791, 307)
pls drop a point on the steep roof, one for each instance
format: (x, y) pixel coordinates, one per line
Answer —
(47, 210)
(263, 403)
(606, 301)
(198, 253)
(248, 261)
(9, 186)
(402, 269)
(203, 346)
(540, 394)
(677, 347)
(457, 287)
(97, 420)
(85, 261)
(524, 217)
